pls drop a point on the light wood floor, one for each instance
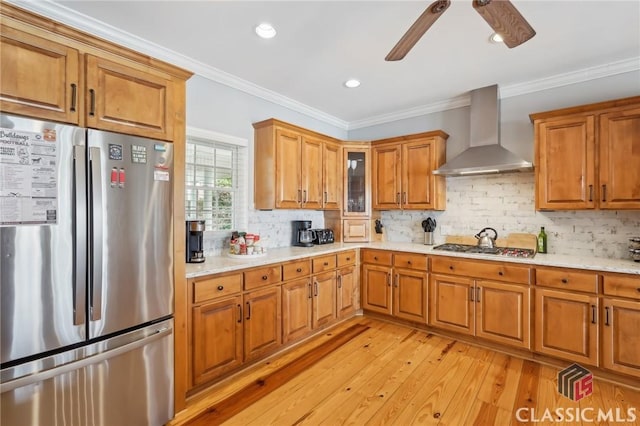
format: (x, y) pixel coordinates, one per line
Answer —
(393, 375)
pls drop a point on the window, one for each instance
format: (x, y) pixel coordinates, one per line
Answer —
(215, 179)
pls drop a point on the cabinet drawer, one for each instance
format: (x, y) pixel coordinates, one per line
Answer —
(568, 279)
(206, 288)
(410, 261)
(622, 286)
(298, 269)
(262, 276)
(346, 258)
(324, 263)
(377, 257)
(494, 271)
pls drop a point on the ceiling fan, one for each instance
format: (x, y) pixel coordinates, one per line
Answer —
(501, 15)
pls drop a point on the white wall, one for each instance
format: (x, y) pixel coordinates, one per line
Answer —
(504, 201)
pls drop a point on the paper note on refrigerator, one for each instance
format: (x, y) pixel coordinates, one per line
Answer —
(28, 177)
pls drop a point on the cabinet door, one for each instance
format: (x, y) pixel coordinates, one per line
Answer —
(288, 169)
(621, 345)
(332, 176)
(566, 325)
(565, 172)
(503, 313)
(386, 177)
(376, 288)
(128, 100)
(39, 77)
(346, 297)
(355, 230)
(217, 338)
(262, 322)
(620, 159)
(312, 173)
(296, 309)
(357, 178)
(451, 305)
(410, 289)
(324, 298)
(417, 181)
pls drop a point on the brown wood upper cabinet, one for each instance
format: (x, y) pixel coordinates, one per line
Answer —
(40, 78)
(296, 168)
(402, 172)
(588, 157)
(80, 80)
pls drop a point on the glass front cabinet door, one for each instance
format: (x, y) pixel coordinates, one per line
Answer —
(356, 182)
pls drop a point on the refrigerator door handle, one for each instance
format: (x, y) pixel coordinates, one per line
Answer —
(96, 237)
(84, 362)
(80, 235)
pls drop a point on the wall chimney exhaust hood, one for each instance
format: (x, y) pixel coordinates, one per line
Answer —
(485, 154)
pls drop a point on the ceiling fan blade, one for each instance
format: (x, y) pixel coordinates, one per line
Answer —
(505, 20)
(417, 30)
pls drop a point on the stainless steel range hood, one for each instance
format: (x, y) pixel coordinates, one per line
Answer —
(485, 154)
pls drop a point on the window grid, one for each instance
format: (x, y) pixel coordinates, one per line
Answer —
(211, 178)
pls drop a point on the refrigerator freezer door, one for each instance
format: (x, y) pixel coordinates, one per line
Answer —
(131, 236)
(126, 380)
(42, 289)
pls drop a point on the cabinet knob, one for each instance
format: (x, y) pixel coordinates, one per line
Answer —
(348, 259)
(375, 257)
(326, 263)
(638, 289)
(451, 267)
(408, 262)
(220, 288)
(500, 273)
(264, 277)
(299, 270)
(564, 281)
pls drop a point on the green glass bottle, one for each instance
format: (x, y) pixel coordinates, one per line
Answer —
(542, 241)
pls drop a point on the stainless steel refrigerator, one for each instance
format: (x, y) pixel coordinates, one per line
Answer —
(86, 265)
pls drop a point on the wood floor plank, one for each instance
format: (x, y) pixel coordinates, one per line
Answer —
(285, 406)
(426, 377)
(458, 411)
(367, 391)
(429, 405)
(447, 382)
(231, 406)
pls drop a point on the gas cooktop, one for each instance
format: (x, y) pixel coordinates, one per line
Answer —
(500, 251)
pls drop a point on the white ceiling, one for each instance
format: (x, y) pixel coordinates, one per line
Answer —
(320, 44)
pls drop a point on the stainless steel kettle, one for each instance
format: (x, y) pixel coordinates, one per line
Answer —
(484, 240)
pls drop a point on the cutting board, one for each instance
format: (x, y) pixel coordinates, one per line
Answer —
(516, 240)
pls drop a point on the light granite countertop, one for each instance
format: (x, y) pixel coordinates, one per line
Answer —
(224, 263)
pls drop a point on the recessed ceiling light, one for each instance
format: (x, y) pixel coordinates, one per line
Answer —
(496, 38)
(265, 30)
(352, 83)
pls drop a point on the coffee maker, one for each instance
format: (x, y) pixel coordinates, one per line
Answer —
(195, 245)
(303, 235)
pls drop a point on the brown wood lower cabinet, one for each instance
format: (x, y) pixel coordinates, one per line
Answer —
(217, 338)
(296, 309)
(566, 325)
(620, 335)
(399, 290)
(262, 322)
(346, 303)
(495, 311)
(324, 298)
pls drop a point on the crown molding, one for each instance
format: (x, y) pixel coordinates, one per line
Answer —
(85, 23)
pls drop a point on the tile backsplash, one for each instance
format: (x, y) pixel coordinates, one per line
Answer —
(273, 226)
(505, 202)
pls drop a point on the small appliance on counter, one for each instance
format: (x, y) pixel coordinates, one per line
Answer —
(634, 248)
(195, 244)
(303, 235)
(323, 236)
